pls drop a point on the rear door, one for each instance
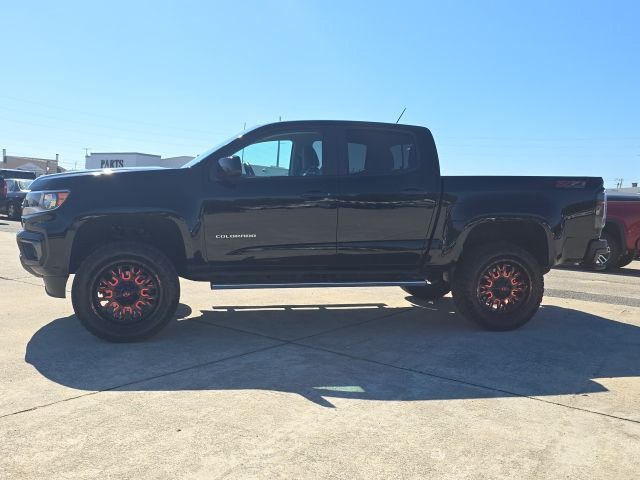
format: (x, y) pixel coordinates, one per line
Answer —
(389, 189)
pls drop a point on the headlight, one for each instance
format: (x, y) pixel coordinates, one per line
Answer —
(36, 202)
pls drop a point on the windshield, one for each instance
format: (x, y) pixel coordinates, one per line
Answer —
(23, 184)
(204, 155)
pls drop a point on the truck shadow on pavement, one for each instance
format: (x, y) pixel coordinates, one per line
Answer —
(362, 351)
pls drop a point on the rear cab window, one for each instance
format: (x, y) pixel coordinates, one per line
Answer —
(380, 152)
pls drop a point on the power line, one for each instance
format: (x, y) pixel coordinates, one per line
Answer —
(98, 125)
(95, 134)
(93, 114)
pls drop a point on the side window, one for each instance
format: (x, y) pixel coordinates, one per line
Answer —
(379, 152)
(270, 158)
(291, 154)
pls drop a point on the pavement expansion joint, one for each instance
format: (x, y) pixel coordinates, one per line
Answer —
(295, 342)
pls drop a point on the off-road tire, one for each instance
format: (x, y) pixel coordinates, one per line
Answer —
(92, 270)
(468, 283)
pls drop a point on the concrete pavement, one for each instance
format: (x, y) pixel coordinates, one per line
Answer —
(316, 383)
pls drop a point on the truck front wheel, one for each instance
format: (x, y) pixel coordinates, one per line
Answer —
(498, 286)
(125, 291)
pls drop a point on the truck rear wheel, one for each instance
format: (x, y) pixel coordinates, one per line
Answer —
(498, 286)
(431, 291)
(126, 291)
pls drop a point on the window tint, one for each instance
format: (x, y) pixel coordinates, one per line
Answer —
(375, 152)
(293, 154)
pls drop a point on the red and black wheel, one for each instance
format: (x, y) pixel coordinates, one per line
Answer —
(498, 286)
(125, 292)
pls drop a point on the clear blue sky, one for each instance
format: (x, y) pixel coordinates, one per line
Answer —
(547, 87)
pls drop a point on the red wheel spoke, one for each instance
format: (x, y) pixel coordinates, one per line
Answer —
(125, 293)
(503, 286)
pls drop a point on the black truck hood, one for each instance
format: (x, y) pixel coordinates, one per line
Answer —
(57, 180)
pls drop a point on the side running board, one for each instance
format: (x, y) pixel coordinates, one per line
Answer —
(232, 286)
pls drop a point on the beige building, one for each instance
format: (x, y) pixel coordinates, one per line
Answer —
(41, 166)
(132, 159)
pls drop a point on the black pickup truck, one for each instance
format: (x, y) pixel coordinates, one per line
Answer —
(305, 203)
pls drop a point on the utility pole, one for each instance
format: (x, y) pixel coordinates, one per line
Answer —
(619, 182)
(86, 156)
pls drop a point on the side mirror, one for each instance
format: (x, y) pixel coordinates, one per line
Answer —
(229, 167)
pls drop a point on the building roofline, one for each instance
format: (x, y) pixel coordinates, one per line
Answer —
(124, 153)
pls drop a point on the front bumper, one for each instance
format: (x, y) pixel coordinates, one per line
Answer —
(594, 250)
(33, 257)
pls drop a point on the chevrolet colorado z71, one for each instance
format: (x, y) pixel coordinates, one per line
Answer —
(305, 203)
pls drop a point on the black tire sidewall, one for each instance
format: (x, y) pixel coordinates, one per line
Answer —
(155, 262)
(467, 280)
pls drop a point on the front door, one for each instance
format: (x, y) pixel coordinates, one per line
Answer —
(281, 212)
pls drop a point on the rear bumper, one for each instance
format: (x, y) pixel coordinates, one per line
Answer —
(596, 248)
